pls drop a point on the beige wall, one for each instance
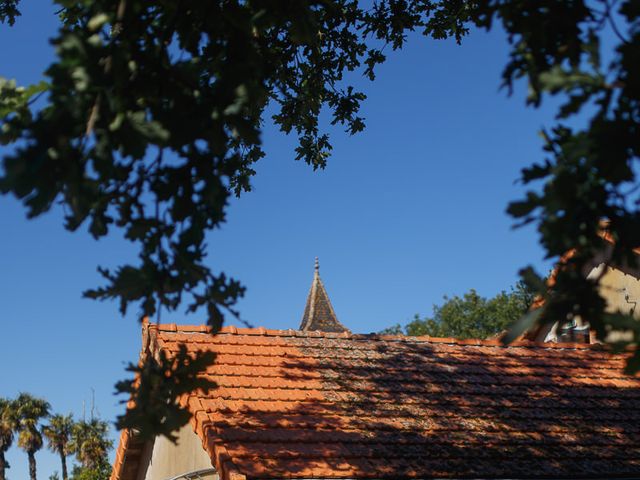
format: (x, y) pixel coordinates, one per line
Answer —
(162, 459)
(622, 292)
(619, 289)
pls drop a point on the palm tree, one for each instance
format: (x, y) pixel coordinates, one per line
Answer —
(89, 442)
(8, 426)
(30, 410)
(58, 435)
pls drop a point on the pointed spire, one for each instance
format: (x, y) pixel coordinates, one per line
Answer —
(318, 312)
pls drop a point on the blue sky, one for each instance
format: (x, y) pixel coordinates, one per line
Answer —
(406, 212)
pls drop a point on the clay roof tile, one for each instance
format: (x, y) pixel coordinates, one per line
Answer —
(375, 406)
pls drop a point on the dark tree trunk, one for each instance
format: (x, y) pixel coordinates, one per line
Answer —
(3, 465)
(63, 460)
(32, 465)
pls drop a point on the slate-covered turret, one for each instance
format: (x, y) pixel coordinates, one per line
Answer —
(318, 312)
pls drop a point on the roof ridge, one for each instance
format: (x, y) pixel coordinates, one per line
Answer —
(262, 331)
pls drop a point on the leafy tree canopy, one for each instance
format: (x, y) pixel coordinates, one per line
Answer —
(151, 114)
(8, 427)
(470, 316)
(58, 434)
(101, 471)
(30, 411)
(90, 442)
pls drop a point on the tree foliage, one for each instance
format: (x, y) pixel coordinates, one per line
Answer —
(152, 119)
(30, 411)
(8, 427)
(153, 113)
(152, 408)
(101, 471)
(88, 440)
(58, 434)
(587, 184)
(9, 11)
(90, 443)
(470, 316)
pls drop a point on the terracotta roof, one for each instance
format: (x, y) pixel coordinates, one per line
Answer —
(318, 312)
(293, 404)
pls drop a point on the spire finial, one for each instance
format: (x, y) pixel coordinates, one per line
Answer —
(317, 266)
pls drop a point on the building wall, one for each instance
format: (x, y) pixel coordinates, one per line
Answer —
(620, 287)
(163, 459)
(621, 290)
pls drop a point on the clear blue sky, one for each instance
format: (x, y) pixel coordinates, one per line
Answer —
(406, 212)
